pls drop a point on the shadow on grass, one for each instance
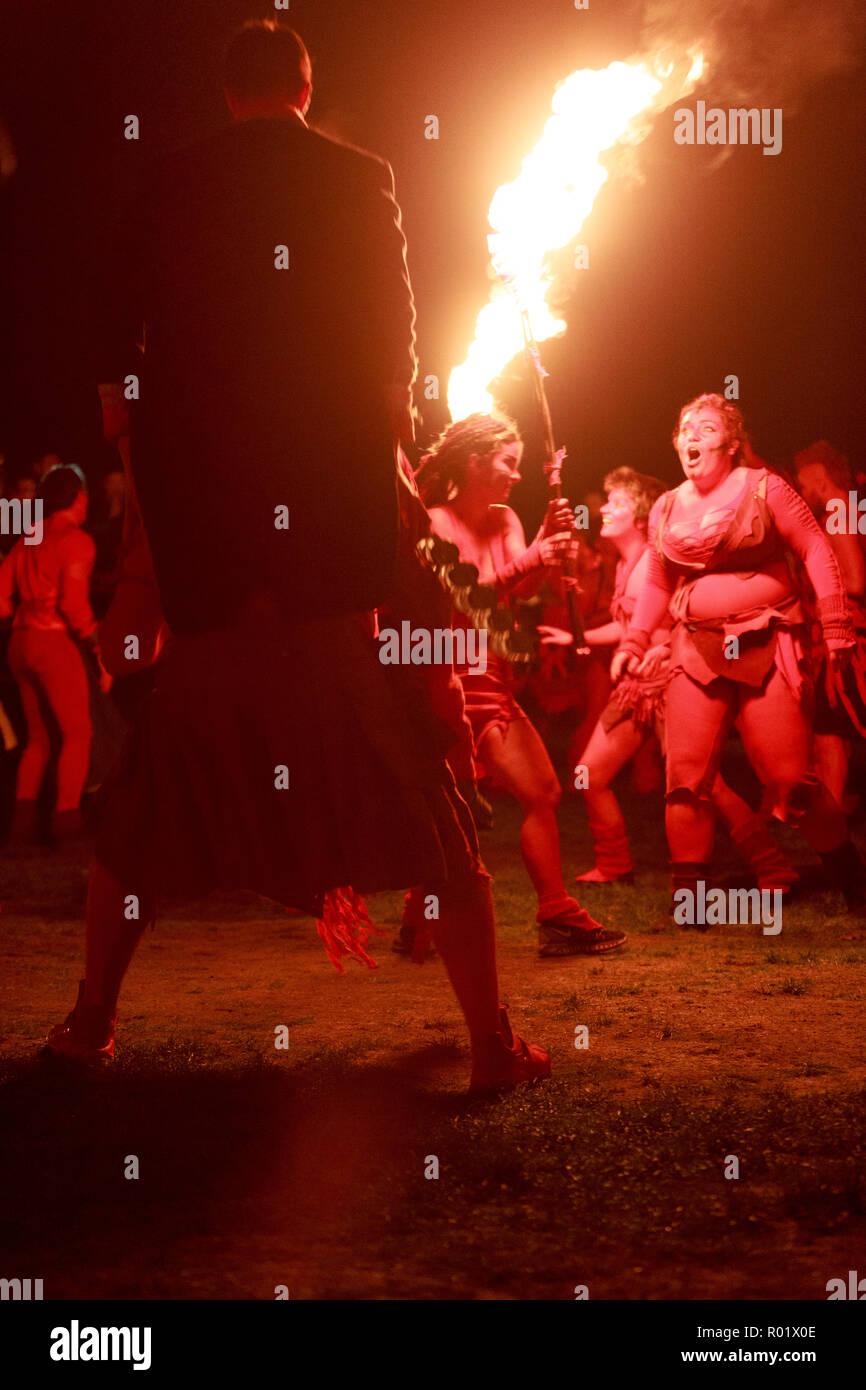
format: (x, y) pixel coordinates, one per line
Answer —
(224, 1152)
(322, 1166)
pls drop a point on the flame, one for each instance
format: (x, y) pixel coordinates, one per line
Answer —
(545, 207)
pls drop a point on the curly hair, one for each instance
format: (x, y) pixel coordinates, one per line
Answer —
(836, 464)
(442, 470)
(641, 487)
(735, 429)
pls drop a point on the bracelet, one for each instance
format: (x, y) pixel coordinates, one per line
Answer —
(839, 632)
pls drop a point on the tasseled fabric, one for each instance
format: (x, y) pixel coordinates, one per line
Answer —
(345, 927)
(641, 697)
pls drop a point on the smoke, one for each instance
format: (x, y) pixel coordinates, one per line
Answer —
(760, 52)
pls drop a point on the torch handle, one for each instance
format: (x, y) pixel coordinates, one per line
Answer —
(553, 472)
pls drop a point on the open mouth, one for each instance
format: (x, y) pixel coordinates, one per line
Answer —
(694, 453)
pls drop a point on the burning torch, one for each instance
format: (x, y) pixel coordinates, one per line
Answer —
(552, 466)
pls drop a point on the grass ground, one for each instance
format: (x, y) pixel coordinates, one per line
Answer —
(306, 1167)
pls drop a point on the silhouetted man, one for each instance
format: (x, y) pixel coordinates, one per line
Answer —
(276, 753)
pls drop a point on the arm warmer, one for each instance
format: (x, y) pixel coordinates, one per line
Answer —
(802, 534)
(508, 576)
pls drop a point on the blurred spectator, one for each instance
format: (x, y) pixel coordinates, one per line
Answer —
(51, 583)
(24, 490)
(824, 477)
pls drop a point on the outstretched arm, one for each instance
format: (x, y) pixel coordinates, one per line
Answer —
(801, 532)
(604, 636)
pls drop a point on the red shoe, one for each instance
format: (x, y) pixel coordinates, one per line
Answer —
(507, 1061)
(597, 875)
(86, 1036)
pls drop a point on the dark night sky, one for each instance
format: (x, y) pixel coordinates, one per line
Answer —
(749, 265)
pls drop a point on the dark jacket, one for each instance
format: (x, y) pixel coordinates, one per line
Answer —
(262, 387)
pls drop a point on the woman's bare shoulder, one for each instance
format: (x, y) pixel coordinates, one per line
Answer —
(441, 518)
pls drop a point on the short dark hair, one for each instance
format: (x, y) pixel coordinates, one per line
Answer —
(266, 59)
(60, 487)
(641, 487)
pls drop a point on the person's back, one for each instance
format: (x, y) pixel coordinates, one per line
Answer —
(265, 373)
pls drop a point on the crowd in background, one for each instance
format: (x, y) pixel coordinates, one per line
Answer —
(61, 723)
(58, 738)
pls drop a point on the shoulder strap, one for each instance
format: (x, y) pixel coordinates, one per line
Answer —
(667, 502)
(755, 493)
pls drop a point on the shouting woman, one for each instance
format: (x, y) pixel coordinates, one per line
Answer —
(718, 557)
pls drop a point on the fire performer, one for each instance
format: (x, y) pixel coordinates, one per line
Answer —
(636, 710)
(717, 556)
(465, 481)
(276, 752)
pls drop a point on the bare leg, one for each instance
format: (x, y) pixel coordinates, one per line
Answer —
(734, 811)
(465, 936)
(597, 691)
(775, 736)
(831, 755)
(647, 769)
(518, 760)
(752, 838)
(690, 825)
(606, 754)
(696, 719)
(111, 937)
